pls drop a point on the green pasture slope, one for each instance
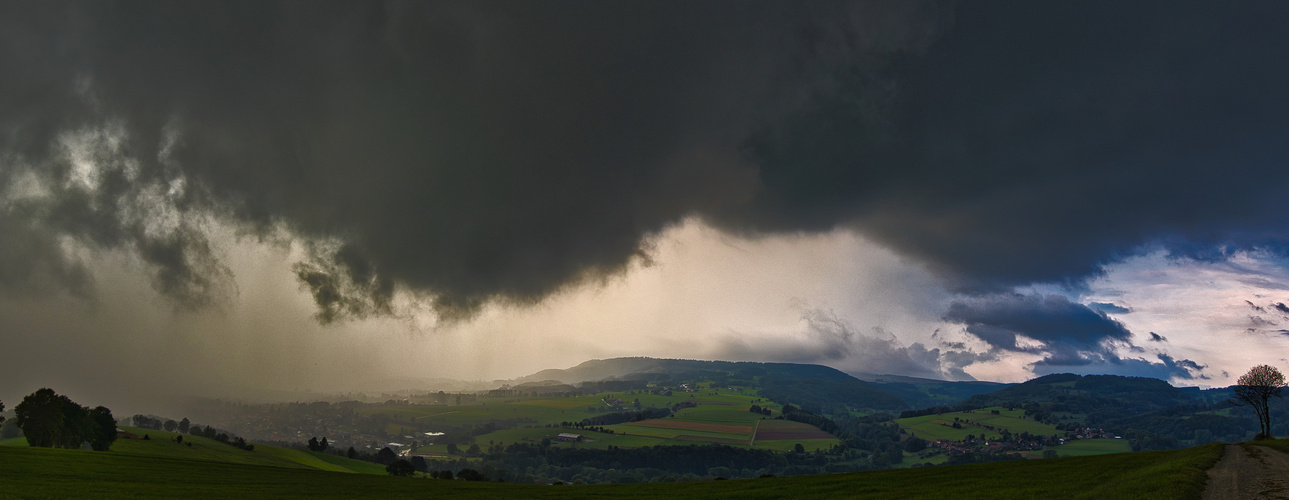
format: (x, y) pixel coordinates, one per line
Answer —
(49, 473)
(933, 427)
(162, 445)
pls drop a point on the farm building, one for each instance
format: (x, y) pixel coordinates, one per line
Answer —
(564, 436)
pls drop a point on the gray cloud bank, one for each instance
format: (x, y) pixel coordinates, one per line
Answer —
(832, 340)
(480, 151)
(1070, 337)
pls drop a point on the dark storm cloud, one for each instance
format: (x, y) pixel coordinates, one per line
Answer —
(1109, 308)
(1155, 337)
(473, 150)
(1280, 306)
(1255, 307)
(484, 151)
(1039, 140)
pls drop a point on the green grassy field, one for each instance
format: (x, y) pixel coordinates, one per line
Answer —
(933, 427)
(1085, 447)
(18, 441)
(48, 473)
(350, 465)
(911, 459)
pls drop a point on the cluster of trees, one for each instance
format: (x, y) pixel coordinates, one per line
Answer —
(759, 409)
(585, 427)
(146, 422)
(168, 425)
(799, 415)
(404, 467)
(819, 394)
(223, 437)
(935, 410)
(400, 467)
(49, 419)
(319, 446)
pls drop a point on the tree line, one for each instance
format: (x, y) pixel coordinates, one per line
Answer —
(186, 427)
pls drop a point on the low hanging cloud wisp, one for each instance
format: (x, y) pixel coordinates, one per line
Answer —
(830, 339)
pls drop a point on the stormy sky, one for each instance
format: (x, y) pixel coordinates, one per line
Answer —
(206, 198)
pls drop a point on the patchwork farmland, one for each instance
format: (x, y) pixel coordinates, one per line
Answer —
(707, 415)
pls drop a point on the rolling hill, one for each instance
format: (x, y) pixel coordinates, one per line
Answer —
(814, 387)
(1100, 397)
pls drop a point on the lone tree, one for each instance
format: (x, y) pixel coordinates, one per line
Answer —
(1256, 389)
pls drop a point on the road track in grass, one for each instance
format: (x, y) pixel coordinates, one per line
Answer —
(1249, 472)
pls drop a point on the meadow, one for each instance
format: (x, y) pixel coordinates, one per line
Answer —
(51, 473)
(1085, 447)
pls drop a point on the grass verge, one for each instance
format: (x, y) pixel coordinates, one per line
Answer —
(46, 473)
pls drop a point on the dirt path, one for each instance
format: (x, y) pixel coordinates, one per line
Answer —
(1248, 472)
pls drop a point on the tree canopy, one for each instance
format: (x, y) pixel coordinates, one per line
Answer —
(49, 419)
